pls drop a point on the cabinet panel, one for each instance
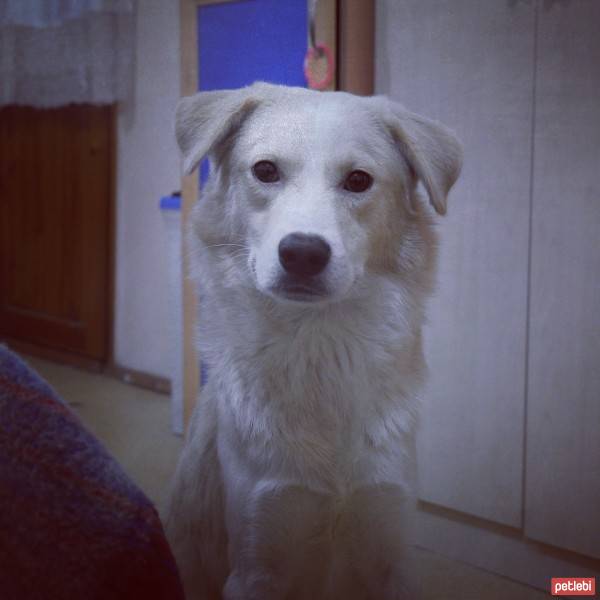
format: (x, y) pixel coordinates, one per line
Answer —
(470, 65)
(55, 206)
(563, 425)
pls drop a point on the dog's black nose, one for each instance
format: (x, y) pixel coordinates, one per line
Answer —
(304, 255)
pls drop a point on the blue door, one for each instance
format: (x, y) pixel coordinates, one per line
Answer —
(251, 40)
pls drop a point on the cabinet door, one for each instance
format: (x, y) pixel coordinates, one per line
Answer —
(563, 414)
(470, 64)
(55, 204)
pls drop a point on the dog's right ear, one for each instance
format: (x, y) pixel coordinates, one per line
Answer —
(204, 120)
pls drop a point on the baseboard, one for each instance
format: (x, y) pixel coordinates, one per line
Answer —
(54, 355)
(498, 549)
(161, 385)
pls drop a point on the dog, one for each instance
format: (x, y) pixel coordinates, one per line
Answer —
(314, 251)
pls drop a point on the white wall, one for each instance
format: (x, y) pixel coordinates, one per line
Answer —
(512, 341)
(471, 66)
(147, 168)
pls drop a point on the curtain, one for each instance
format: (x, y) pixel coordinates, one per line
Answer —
(57, 52)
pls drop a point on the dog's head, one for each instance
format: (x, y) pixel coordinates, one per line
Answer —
(318, 189)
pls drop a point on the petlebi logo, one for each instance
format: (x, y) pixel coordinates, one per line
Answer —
(573, 586)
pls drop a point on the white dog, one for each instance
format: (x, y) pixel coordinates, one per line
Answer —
(314, 254)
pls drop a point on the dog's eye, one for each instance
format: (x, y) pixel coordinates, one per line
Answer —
(265, 171)
(358, 181)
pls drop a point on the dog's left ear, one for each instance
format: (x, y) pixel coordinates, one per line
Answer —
(432, 150)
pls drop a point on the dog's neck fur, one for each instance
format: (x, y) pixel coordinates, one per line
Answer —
(290, 344)
(316, 384)
(277, 359)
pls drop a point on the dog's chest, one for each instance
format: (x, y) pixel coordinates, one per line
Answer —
(322, 412)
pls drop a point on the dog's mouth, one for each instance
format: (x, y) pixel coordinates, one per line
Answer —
(300, 290)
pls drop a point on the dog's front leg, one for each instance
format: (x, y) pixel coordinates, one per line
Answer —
(377, 527)
(283, 545)
(195, 524)
(252, 586)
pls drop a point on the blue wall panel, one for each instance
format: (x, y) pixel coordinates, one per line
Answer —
(251, 40)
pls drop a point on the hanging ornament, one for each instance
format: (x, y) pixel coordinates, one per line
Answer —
(319, 66)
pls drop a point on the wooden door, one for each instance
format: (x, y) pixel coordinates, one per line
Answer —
(55, 207)
(563, 413)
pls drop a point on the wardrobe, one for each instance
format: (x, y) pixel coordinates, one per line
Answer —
(509, 444)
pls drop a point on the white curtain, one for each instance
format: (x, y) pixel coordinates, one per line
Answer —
(56, 52)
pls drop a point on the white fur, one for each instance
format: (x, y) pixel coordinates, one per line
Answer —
(299, 465)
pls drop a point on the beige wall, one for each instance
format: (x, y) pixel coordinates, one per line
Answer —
(147, 168)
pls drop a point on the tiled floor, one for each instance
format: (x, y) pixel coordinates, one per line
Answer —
(134, 425)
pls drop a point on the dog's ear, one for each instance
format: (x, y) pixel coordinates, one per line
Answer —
(432, 151)
(206, 119)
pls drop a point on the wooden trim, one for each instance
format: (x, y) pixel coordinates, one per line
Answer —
(189, 194)
(326, 26)
(54, 355)
(147, 381)
(161, 385)
(112, 239)
(356, 57)
(189, 46)
(496, 548)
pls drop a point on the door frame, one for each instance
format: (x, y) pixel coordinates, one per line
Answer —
(348, 28)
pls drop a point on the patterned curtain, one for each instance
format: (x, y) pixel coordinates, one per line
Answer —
(57, 52)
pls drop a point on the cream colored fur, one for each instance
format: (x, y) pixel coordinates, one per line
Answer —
(298, 470)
